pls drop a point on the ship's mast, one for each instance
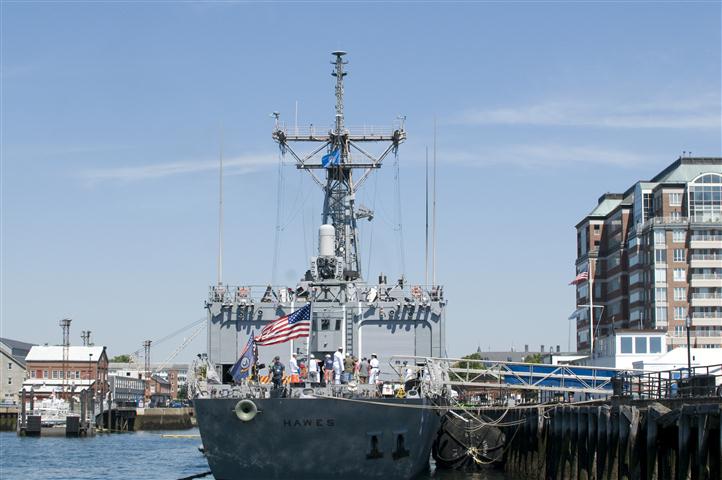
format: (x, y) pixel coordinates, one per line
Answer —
(339, 187)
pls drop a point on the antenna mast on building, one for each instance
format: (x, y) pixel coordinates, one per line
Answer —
(85, 335)
(339, 186)
(220, 211)
(65, 324)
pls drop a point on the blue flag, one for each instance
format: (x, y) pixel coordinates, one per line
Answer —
(332, 158)
(242, 368)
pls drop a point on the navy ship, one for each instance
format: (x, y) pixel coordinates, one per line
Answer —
(313, 429)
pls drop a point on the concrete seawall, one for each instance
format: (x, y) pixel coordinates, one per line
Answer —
(639, 440)
(164, 419)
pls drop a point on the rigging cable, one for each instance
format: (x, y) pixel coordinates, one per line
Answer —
(398, 213)
(279, 194)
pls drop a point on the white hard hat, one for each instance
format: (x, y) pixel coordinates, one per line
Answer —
(328, 355)
(312, 356)
(373, 354)
(340, 348)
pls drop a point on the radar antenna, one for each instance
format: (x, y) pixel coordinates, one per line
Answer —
(339, 187)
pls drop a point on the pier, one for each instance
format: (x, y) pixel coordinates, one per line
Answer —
(622, 440)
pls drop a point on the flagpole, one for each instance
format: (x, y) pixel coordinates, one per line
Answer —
(308, 339)
(591, 309)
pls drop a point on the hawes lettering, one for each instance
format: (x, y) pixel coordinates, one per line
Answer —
(310, 422)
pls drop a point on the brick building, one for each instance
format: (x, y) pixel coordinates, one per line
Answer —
(86, 367)
(654, 257)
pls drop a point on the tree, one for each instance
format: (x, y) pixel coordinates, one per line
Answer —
(125, 358)
(533, 358)
(183, 392)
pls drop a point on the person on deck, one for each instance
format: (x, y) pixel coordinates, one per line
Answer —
(374, 372)
(363, 373)
(277, 370)
(328, 369)
(293, 368)
(348, 365)
(337, 365)
(312, 369)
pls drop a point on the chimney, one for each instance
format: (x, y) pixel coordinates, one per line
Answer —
(526, 348)
(541, 348)
(558, 349)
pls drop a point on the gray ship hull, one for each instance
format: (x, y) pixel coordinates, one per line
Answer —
(317, 438)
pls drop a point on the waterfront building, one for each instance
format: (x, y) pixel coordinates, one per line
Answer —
(12, 368)
(174, 375)
(653, 256)
(50, 371)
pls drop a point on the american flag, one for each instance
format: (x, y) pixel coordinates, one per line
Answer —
(288, 327)
(582, 277)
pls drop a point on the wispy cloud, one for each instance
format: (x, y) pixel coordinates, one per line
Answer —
(233, 166)
(547, 155)
(703, 112)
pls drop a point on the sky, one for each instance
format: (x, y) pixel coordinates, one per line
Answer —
(113, 116)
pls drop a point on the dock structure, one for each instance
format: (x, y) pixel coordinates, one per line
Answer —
(645, 440)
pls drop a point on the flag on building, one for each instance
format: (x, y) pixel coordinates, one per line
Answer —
(288, 327)
(332, 158)
(242, 368)
(582, 277)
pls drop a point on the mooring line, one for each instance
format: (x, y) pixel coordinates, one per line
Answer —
(197, 475)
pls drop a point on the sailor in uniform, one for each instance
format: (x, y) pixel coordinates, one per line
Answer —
(337, 365)
(293, 367)
(374, 373)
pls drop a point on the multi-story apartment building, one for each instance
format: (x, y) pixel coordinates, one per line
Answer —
(654, 257)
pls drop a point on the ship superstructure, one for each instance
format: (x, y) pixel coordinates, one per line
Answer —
(385, 318)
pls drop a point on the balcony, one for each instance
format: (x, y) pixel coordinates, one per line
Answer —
(710, 299)
(706, 280)
(708, 260)
(707, 321)
(705, 241)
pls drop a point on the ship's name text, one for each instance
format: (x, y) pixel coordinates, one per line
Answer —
(310, 422)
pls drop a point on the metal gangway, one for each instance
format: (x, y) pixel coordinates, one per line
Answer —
(468, 373)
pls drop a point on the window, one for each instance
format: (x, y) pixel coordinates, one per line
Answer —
(655, 345)
(680, 294)
(660, 275)
(678, 330)
(680, 275)
(45, 374)
(680, 313)
(675, 199)
(678, 236)
(596, 228)
(32, 373)
(640, 344)
(626, 344)
(10, 366)
(10, 380)
(660, 255)
(55, 374)
(675, 215)
(679, 255)
(661, 314)
(660, 294)
(659, 238)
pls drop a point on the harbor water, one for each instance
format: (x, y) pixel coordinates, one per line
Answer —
(138, 455)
